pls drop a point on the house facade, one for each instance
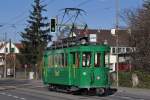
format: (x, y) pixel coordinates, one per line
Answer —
(7, 50)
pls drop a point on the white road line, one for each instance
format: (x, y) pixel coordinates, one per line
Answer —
(3, 93)
(22, 98)
(9, 95)
(15, 97)
(128, 98)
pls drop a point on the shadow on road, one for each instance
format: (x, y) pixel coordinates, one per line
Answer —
(108, 92)
(83, 92)
(111, 91)
(92, 93)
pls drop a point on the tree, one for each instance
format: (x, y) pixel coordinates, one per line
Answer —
(33, 37)
(139, 22)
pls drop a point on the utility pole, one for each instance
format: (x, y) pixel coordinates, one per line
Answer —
(117, 40)
(12, 53)
(14, 57)
(5, 66)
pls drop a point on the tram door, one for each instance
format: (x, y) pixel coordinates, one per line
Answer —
(75, 62)
(87, 70)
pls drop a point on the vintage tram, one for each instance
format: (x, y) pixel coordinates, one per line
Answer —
(76, 66)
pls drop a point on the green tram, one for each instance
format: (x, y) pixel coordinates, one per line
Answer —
(77, 67)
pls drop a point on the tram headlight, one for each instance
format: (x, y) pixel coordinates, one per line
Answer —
(98, 77)
(84, 73)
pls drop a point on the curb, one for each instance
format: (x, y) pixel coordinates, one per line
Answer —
(7, 88)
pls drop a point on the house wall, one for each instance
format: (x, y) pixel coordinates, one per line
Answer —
(122, 59)
(1, 61)
(2, 50)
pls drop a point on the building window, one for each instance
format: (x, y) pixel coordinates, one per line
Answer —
(128, 50)
(6, 49)
(12, 50)
(119, 50)
(113, 50)
(123, 50)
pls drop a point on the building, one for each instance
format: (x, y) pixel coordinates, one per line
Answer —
(7, 51)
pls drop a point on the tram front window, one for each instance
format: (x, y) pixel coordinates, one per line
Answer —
(97, 60)
(86, 59)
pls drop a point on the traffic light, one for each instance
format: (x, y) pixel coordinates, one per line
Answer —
(53, 25)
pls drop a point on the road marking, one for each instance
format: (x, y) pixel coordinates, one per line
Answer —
(22, 98)
(123, 97)
(10, 95)
(3, 93)
(129, 98)
(16, 97)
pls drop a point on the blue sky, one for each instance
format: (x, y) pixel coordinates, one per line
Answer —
(100, 13)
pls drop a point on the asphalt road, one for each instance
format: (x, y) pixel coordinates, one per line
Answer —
(34, 90)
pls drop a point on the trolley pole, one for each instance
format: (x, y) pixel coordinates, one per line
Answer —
(117, 41)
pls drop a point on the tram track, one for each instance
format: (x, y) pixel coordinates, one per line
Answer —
(41, 92)
(51, 95)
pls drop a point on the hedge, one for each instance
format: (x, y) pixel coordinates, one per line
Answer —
(125, 79)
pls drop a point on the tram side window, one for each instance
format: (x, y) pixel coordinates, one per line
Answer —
(62, 59)
(56, 61)
(86, 59)
(73, 58)
(66, 59)
(97, 60)
(53, 60)
(59, 60)
(49, 61)
(77, 59)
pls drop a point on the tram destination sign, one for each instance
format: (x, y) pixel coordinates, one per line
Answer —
(93, 38)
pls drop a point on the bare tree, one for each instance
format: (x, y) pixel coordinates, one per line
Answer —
(139, 21)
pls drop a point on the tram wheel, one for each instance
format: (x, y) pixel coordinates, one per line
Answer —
(84, 91)
(100, 91)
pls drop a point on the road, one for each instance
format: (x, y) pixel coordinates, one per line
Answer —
(34, 90)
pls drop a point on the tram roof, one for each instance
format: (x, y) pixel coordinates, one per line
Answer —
(83, 48)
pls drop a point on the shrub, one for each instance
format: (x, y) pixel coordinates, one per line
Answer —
(125, 79)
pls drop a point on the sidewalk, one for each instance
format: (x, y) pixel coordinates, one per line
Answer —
(7, 88)
(36, 82)
(137, 91)
(9, 83)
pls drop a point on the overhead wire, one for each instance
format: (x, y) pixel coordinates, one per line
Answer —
(50, 2)
(13, 24)
(83, 3)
